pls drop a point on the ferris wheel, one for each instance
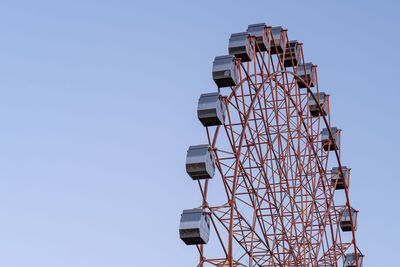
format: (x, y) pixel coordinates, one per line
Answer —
(274, 191)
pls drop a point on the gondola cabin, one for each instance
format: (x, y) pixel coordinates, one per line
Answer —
(316, 109)
(350, 260)
(291, 54)
(327, 143)
(211, 109)
(241, 46)
(200, 162)
(345, 220)
(260, 32)
(194, 228)
(225, 71)
(277, 40)
(337, 179)
(305, 72)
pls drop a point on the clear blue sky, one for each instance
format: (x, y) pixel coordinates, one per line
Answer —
(98, 106)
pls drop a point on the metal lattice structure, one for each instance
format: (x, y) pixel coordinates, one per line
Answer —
(275, 202)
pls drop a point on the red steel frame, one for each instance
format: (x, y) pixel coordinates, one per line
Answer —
(279, 208)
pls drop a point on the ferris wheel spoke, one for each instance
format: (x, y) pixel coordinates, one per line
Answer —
(242, 226)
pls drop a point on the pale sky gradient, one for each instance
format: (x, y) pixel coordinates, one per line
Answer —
(98, 106)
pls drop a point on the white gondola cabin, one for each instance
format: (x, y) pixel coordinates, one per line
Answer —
(194, 227)
(200, 162)
(305, 71)
(211, 109)
(241, 46)
(225, 71)
(260, 32)
(327, 143)
(291, 54)
(350, 260)
(323, 103)
(345, 220)
(277, 40)
(337, 178)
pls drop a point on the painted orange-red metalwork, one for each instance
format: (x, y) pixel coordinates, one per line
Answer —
(276, 206)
